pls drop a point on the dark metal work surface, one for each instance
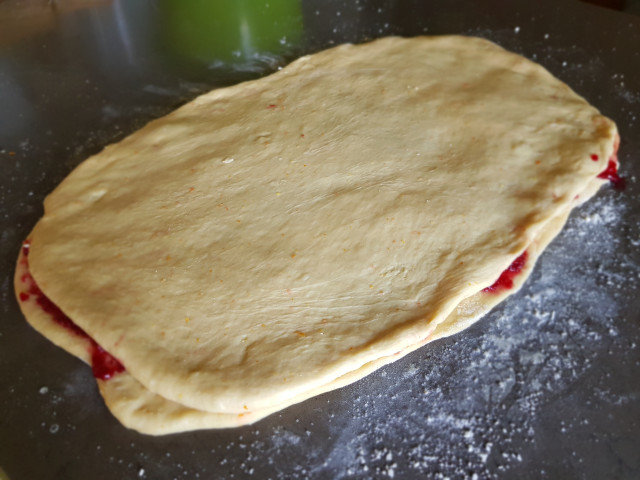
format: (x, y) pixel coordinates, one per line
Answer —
(546, 386)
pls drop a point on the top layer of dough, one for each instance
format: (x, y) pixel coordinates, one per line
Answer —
(269, 237)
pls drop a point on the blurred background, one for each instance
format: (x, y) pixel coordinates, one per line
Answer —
(93, 51)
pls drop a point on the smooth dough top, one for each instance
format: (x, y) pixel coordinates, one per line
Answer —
(267, 238)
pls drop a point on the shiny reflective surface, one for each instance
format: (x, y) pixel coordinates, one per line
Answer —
(544, 387)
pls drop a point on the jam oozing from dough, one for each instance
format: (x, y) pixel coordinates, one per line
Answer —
(505, 281)
(611, 173)
(103, 364)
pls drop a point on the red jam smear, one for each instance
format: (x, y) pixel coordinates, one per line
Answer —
(103, 364)
(505, 281)
(611, 173)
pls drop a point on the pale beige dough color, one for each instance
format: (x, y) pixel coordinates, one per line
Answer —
(283, 237)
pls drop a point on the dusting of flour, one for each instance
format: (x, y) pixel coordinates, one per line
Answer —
(469, 406)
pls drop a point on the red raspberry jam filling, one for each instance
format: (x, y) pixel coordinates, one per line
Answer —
(103, 364)
(505, 280)
(611, 173)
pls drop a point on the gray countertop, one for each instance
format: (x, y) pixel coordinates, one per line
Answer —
(546, 386)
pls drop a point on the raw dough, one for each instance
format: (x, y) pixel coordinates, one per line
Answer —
(286, 236)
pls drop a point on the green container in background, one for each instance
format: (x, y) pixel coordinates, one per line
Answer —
(215, 32)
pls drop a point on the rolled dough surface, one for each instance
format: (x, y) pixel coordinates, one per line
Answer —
(286, 236)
